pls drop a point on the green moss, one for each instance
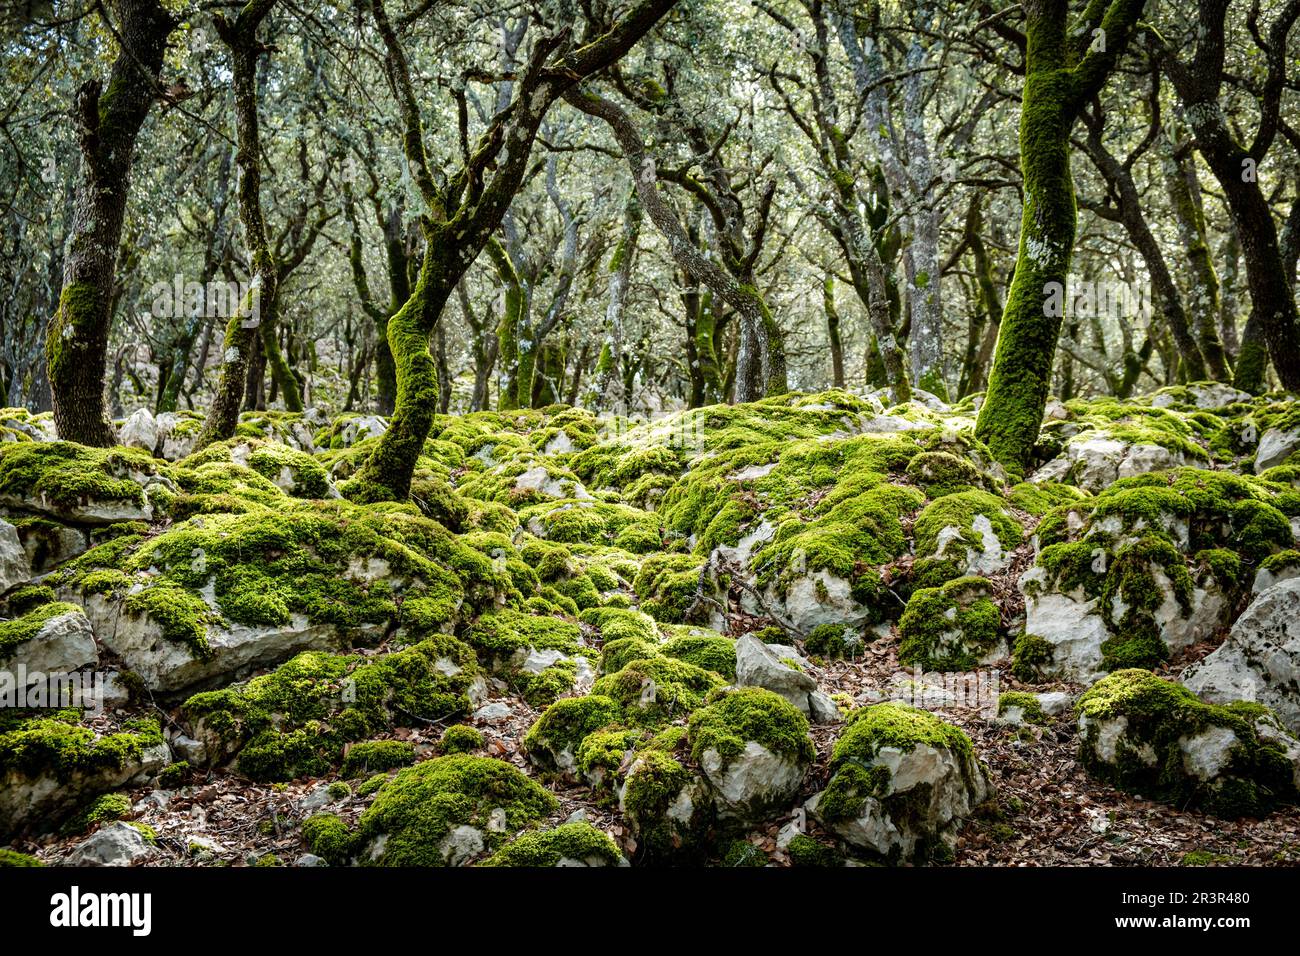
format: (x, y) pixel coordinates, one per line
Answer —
(940, 473)
(1149, 760)
(855, 773)
(566, 722)
(14, 858)
(422, 804)
(296, 720)
(27, 597)
(173, 775)
(1029, 658)
(1207, 858)
(59, 745)
(460, 739)
(658, 689)
(732, 718)
(743, 853)
(375, 755)
(712, 652)
(327, 836)
(338, 790)
(652, 789)
(66, 475)
(107, 807)
(834, 641)
(266, 565)
(22, 629)
(182, 615)
(1030, 708)
(806, 852)
(958, 511)
(505, 632)
(667, 585)
(569, 841)
(951, 628)
(1038, 498)
(544, 687)
(602, 754)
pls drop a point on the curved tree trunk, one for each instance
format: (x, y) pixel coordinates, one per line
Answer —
(1061, 74)
(242, 329)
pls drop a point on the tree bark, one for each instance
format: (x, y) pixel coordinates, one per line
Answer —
(1061, 75)
(242, 328)
(109, 122)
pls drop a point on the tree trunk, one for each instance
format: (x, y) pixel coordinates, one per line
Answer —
(242, 329)
(609, 378)
(1203, 301)
(109, 122)
(833, 332)
(1059, 78)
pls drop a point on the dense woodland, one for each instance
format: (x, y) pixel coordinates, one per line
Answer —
(615, 393)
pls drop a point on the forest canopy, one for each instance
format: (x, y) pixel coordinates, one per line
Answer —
(835, 199)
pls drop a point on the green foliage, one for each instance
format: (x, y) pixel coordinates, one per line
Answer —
(418, 808)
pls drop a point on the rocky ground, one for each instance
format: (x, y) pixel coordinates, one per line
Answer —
(816, 630)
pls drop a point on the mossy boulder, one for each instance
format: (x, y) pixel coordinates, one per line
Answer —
(1154, 737)
(1260, 660)
(553, 741)
(955, 627)
(654, 690)
(754, 749)
(668, 807)
(570, 844)
(449, 811)
(298, 719)
(1146, 568)
(964, 533)
(221, 593)
(73, 483)
(902, 781)
(51, 764)
(293, 471)
(52, 638)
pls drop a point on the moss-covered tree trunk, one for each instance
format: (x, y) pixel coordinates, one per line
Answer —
(243, 327)
(1202, 280)
(461, 214)
(833, 332)
(108, 122)
(508, 329)
(609, 367)
(984, 327)
(1063, 70)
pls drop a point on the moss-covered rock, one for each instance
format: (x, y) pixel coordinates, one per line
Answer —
(1154, 737)
(448, 811)
(955, 627)
(570, 844)
(553, 741)
(297, 719)
(754, 749)
(74, 483)
(51, 763)
(902, 781)
(1141, 572)
(668, 806)
(221, 592)
(654, 690)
